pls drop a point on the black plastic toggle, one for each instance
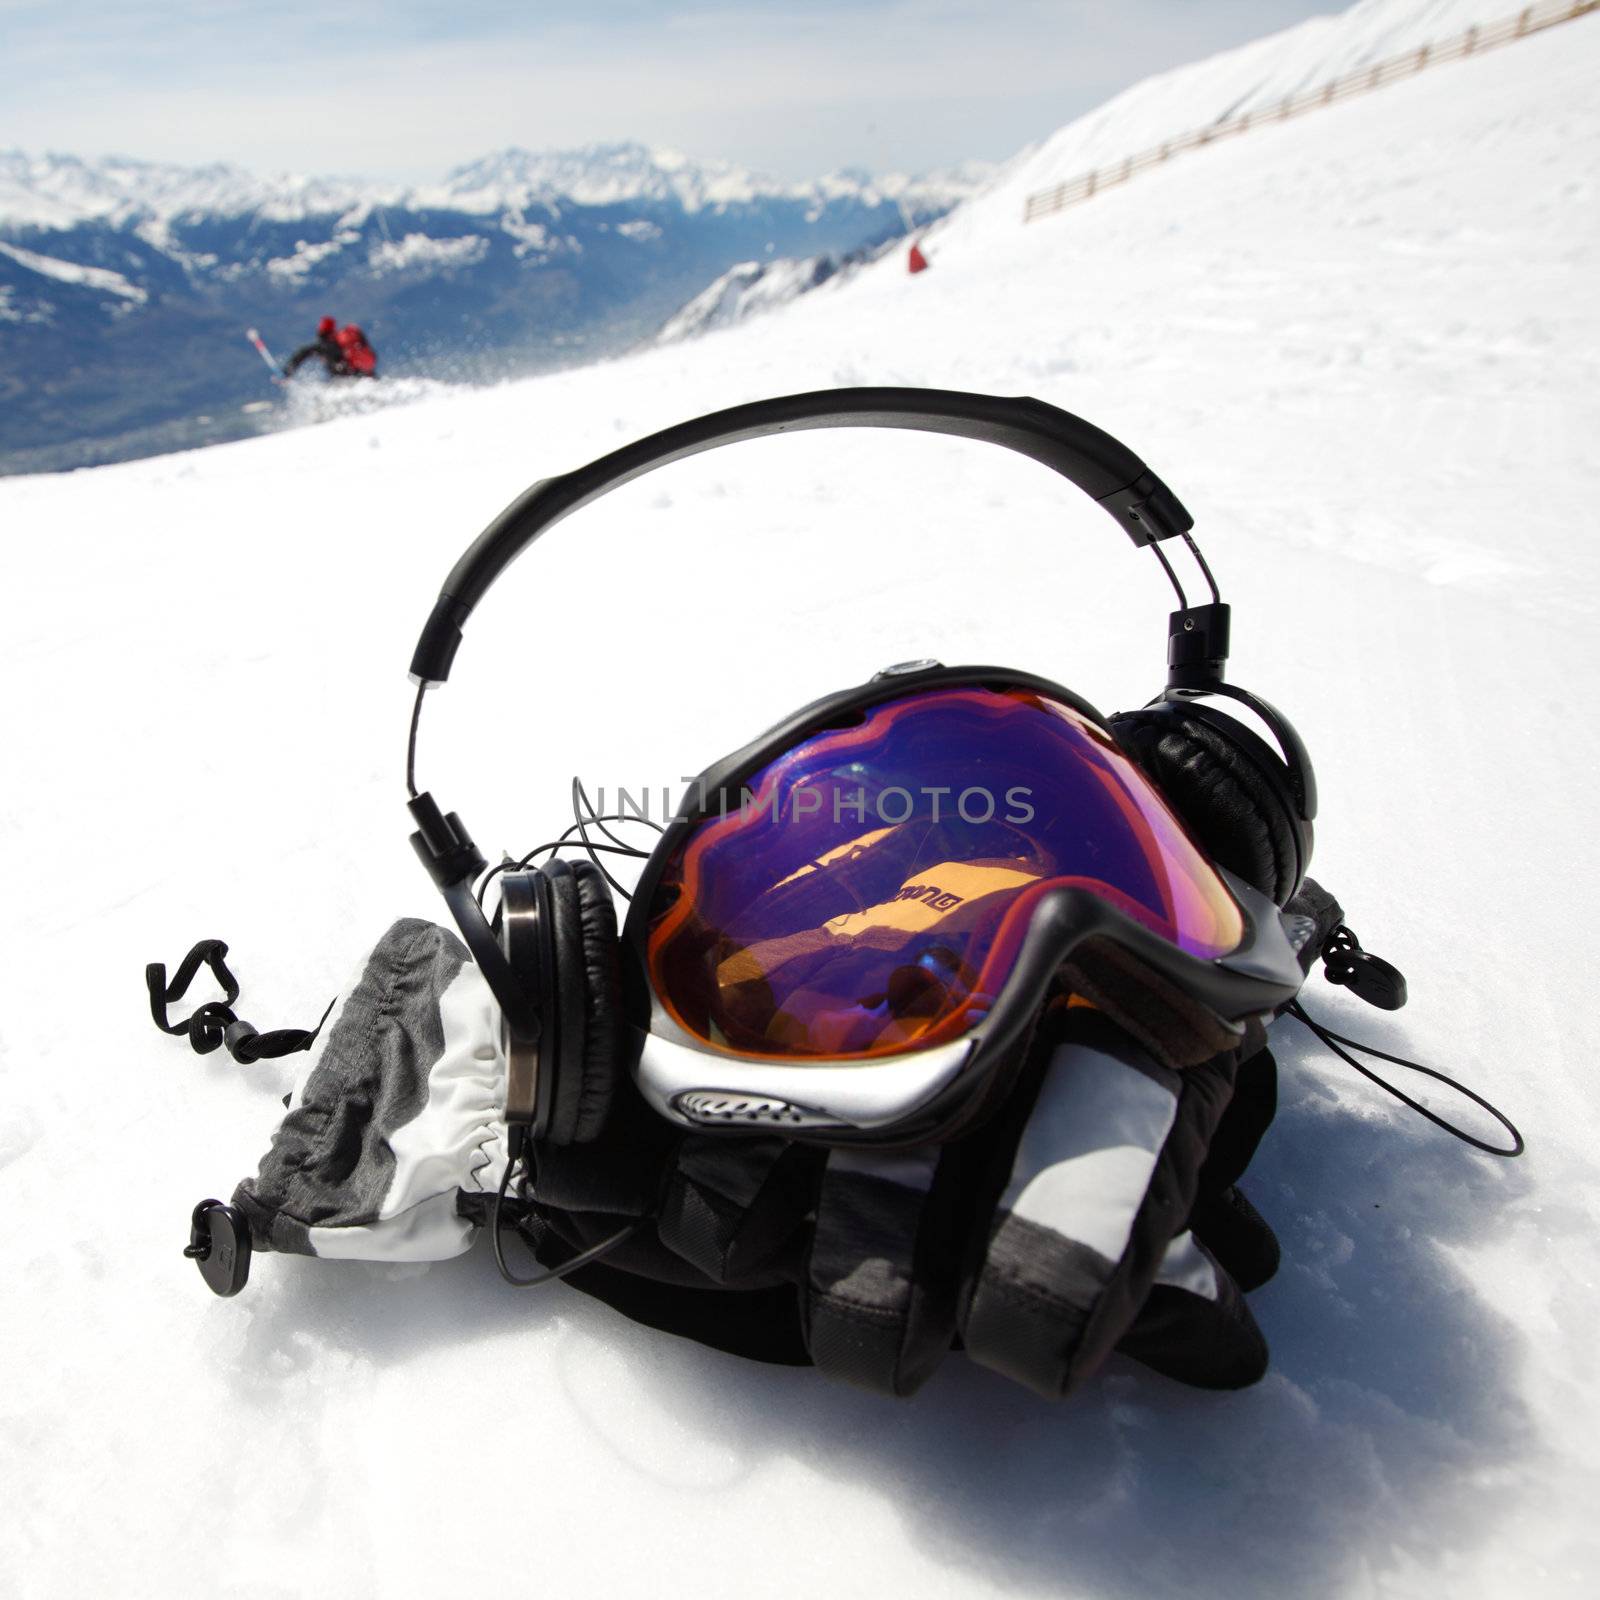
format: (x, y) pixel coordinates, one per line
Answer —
(219, 1244)
(1370, 977)
(443, 844)
(237, 1036)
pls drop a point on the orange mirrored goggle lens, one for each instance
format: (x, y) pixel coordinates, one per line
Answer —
(868, 891)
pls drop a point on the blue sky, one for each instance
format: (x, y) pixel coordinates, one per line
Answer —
(407, 90)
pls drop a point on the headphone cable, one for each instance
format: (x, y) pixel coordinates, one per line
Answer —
(582, 1259)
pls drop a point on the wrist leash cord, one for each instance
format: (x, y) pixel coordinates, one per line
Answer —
(215, 1023)
(1347, 965)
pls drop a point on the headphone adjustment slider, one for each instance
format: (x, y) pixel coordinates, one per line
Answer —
(1148, 510)
(1197, 645)
(443, 844)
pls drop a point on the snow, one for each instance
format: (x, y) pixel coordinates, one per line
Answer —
(311, 398)
(531, 237)
(58, 191)
(746, 289)
(307, 255)
(616, 174)
(925, 191)
(418, 250)
(1363, 348)
(101, 278)
(594, 175)
(1251, 78)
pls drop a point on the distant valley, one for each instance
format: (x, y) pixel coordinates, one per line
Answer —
(125, 286)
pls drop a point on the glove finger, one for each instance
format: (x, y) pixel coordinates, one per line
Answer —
(1248, 1116)
(1238, 1236)
(1194, 1325)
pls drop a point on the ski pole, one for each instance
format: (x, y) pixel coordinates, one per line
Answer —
(266, 355)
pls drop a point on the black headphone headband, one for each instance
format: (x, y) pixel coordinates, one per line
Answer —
(1104, 468)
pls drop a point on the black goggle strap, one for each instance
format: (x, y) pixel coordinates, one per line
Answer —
(1171, 1024)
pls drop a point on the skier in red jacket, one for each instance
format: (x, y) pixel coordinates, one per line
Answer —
(359, 356)
(345, 353)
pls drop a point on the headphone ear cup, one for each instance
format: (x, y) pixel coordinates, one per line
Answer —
(1227, 786)
(588, 998)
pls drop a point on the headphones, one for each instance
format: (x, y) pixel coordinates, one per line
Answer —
(552, 955)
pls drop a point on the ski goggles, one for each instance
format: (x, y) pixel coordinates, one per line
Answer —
(852, 925)
(834, 958)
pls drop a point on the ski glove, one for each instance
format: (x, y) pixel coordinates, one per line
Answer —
(1098, 1210)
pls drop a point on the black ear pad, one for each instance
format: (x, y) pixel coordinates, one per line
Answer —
(587, 1001)
(1228, 787)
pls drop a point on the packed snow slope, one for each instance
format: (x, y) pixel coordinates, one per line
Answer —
(1234, 83)
(1362, 347)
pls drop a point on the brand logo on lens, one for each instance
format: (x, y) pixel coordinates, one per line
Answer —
(931, 895)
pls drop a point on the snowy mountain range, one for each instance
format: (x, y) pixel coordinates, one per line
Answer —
(58, 191)
(125, 285)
